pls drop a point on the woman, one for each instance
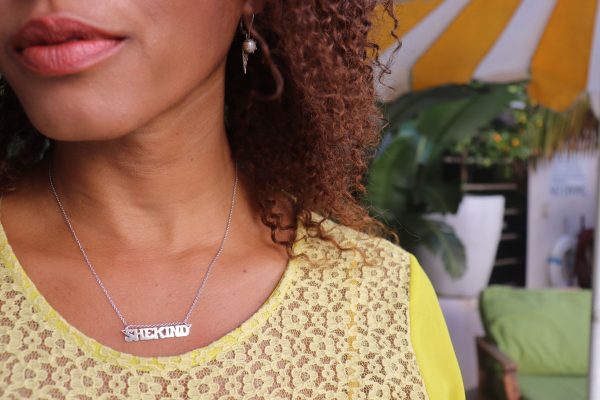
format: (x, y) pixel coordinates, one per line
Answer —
(179, 213)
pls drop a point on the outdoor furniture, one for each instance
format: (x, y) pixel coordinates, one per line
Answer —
(536, 343)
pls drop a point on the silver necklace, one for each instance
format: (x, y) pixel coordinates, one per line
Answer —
(138, 332)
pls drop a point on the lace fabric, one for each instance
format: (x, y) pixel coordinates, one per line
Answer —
(333, 328)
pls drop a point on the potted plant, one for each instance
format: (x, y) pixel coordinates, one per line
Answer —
(409, 188)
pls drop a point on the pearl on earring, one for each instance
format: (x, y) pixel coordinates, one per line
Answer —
(249, 45)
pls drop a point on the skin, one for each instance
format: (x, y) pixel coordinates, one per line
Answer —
(144, 169)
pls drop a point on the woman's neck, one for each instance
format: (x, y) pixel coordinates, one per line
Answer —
(170, 181)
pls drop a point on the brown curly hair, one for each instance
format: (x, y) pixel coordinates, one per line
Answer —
(304, 122)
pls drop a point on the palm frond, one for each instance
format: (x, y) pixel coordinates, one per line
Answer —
(574, 130)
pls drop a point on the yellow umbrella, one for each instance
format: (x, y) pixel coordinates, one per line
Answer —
(554, 44)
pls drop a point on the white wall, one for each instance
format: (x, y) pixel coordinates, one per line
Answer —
(559, 193)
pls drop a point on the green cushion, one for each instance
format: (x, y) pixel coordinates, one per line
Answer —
(546, 331)
(534, 387)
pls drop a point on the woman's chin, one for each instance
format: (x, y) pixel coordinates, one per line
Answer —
(76, 129)
(79, 120)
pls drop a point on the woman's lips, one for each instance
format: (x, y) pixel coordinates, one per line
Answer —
(55, 46)
(68, 57)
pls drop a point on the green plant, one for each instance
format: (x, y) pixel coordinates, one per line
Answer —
(551, 132)
(526, 131)
(505, 139)
(406, 181)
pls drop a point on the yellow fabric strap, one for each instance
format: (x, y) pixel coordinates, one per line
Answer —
(431, 340)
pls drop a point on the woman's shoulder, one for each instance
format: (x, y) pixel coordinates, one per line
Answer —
(389, 292)
(348, 239)
(369, 259)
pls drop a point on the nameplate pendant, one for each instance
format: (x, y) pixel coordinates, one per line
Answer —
(156, 333)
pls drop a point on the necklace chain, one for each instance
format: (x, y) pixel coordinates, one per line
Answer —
(105, 290)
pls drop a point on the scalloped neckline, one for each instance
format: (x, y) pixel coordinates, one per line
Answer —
(96, 350)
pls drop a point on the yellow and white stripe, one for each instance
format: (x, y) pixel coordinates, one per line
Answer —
(555, 44)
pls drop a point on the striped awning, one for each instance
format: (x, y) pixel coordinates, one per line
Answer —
(554, 44)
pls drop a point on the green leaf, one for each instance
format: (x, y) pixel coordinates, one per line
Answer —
(450, 122)
(442, 198)
(437, 236)
(388, 173)
(409, 105)
(442, 240)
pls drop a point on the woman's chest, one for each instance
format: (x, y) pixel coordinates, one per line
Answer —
(310, 341)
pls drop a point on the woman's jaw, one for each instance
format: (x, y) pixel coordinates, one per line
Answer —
(93, 71)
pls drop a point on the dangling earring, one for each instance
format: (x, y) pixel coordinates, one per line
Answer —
(249, 46)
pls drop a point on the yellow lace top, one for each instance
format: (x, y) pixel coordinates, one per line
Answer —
(333, 328)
